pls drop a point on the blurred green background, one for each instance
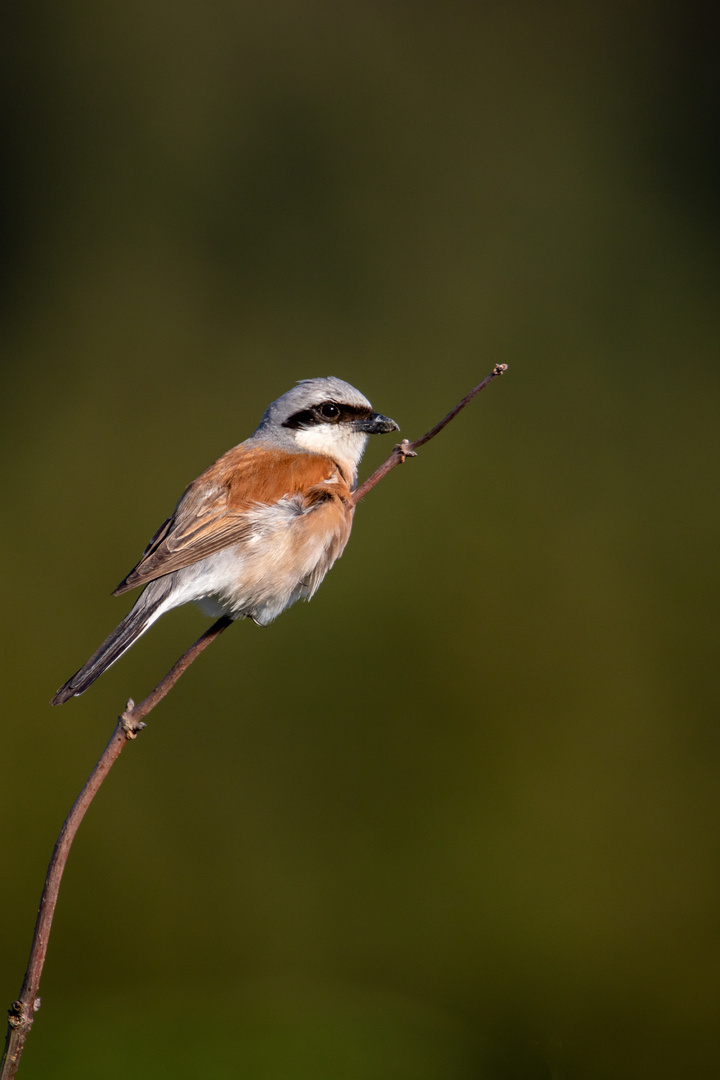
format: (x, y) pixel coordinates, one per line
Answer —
(458, 818)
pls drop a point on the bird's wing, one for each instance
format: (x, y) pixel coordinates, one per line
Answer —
(213, 512)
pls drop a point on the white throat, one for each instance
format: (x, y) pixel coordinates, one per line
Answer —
(337, 441)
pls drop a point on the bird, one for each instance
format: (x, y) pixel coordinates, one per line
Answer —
(260, 528)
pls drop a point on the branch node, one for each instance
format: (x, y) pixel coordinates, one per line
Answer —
(131, 727)
(404, 450)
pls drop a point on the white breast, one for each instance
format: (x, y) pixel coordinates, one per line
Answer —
(288, 551)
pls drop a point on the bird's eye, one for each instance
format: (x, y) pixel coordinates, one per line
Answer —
(329, 411)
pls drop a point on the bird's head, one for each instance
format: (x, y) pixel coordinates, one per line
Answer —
(324, 416)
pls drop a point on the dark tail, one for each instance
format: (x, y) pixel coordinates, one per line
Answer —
(135, 623)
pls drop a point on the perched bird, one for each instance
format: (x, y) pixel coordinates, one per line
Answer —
(261, 527)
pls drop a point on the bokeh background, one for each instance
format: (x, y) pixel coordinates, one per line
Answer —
(458, 818)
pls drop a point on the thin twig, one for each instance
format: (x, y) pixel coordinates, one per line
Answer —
(22, 1012)
(135, 713)
(406, 449)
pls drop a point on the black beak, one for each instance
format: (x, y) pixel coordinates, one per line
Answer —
(376, 424)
